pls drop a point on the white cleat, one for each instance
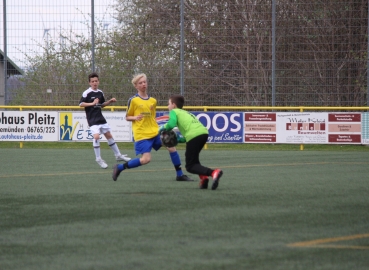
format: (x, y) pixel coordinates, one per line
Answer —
(102, 163)
(122, 158)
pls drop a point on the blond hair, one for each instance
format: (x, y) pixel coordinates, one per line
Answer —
(137, 77)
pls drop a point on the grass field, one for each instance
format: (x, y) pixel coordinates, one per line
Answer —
(276, 208)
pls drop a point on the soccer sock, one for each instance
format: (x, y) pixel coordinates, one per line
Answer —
(113, 146)
(130, 164)
(96, 145)
(176, 162)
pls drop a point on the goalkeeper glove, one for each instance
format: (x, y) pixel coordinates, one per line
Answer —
(180, 138)
(161, 128)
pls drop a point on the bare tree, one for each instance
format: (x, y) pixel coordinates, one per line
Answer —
(321, 49)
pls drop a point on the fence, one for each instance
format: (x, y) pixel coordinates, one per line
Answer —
(216, 53)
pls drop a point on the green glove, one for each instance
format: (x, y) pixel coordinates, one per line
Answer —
(180, 138)
(161, 128)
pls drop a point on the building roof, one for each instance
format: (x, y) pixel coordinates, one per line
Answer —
(12, 68)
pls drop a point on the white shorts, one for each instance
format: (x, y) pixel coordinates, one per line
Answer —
(100, 129)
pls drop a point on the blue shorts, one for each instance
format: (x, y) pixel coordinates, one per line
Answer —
(145, 146)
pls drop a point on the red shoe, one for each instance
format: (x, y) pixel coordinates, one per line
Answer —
(216, 175)
(204, 180)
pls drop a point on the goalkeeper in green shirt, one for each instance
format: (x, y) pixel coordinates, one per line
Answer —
(195, 134)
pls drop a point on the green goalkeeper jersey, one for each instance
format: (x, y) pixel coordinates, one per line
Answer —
(187, 123)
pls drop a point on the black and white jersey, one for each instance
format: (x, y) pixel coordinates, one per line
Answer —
(93, 113)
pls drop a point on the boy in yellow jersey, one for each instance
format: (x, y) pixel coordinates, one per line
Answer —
(195, 134)
(142, 112)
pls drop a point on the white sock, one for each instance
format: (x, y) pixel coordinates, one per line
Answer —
(96, 145)
(114, 146)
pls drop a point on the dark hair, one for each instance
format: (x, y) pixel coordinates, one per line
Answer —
(93, 75)
(178, 100)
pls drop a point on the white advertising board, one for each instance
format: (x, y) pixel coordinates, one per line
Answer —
(29, 126)
(303, 127)
(74, 127)
(365, 128)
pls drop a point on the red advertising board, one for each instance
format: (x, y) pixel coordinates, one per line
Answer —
(344, 138)
(261, 138)
(344, 117)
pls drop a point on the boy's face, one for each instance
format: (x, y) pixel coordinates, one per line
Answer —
(94, 83)
(171, 105)
(141, 85)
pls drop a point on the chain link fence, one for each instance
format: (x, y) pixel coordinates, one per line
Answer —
(215, 53)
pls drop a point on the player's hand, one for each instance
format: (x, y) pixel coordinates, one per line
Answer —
(161, 128)
(96, 101)
(113, 100)
(139, 117)
(180, 138)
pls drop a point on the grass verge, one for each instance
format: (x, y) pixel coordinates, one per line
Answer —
(212, 146)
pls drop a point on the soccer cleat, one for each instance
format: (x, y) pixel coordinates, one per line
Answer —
(183, 178)
(102, 163)
(216, 175)
(122, 158)
(116, 172)
(204, 181)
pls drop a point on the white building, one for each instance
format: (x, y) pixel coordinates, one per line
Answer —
(12, 69)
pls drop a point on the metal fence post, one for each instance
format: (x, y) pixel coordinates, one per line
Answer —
(92, 36)
(273, 51)
(182, 50)
(367, 69)
(5, 55)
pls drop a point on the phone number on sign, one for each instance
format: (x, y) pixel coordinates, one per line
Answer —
(34, 129)
(41, 129)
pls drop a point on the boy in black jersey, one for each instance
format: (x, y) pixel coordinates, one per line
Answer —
(93, 100)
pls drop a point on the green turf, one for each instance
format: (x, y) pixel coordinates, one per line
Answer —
(59, 210)
(213, 146)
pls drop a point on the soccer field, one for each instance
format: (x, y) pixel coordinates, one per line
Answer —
(272, 210)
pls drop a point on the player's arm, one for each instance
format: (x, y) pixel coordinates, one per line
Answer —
(88, 104)
(110, 101)
(134, 118)
(130, 113)
(172, 122)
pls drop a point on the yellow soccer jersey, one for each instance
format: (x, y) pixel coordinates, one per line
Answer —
(146, 128)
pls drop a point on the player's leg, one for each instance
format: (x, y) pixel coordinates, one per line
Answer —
(112, 144)
(95, 130)
(142, 148)
(193, 165)
(176, 160)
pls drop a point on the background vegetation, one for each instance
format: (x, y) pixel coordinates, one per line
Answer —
(320, 54)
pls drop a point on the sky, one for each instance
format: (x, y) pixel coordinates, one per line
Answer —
(32, 22)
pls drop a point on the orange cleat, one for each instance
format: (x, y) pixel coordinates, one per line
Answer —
(204, 180)
(216, 175)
